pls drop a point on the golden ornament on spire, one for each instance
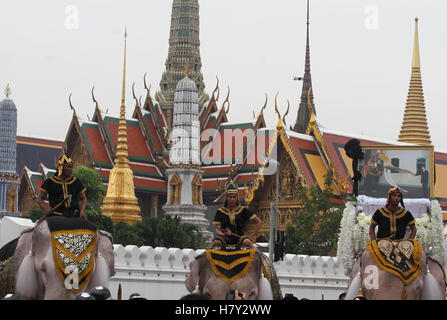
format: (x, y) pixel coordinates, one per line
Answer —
(120, 203)
(7, 91)
(414, 126)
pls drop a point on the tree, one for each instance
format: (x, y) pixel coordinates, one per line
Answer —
(166, 231)
(95, 189)
(314, 227)
(35, 214)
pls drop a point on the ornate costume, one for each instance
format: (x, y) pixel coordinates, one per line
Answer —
(233, 219)
(392, 224)
(59, 189)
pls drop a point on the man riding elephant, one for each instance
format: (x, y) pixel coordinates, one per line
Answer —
(63, 192)
(230, 220)
(392, 267)
(63, 253)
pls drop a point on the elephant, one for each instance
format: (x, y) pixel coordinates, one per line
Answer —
(204, 280)
(378, 284)
(31, 271)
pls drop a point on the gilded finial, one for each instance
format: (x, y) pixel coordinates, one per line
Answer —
(7, 91)
(287, 112)
(93, 96)
(276, 106)
(71, 105)
(216, 89)
(227, 101)
(133, 93)
(265, 103)
(145, 85)
(123, 94)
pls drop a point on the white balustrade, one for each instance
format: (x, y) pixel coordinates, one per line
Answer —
(160, 273)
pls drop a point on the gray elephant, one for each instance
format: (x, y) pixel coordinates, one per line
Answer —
(372, 282)
(36, 268)
(215, 279)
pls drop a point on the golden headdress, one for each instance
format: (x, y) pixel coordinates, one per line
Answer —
(395, 189)
(231, 188)
(64, 159)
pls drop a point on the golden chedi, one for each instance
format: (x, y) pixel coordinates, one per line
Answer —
(120, 202)
(414, 126)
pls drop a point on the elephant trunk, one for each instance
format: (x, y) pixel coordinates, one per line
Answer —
(26, 279)
(100, 276)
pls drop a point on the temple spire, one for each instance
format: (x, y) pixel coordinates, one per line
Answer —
(121, 148)
(303, 116)
(120, 203)
(184, 48)
(414, 126)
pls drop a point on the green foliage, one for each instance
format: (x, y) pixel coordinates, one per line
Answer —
(314, 227)
(125, 234)
(102, 222)
(95, 189)
(35, 214)
(159, 232)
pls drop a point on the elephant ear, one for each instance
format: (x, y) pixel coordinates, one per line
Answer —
(192, 282)
(106, 234)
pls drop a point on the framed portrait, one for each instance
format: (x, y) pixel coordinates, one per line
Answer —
(411, 168)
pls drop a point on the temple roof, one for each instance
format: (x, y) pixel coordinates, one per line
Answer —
(31, 151)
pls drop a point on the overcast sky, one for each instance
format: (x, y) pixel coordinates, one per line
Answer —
(361, 52)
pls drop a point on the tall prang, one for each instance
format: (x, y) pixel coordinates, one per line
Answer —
(303, 116)
(185, 184)
(184, 49)
(414, 126)
(9, 179)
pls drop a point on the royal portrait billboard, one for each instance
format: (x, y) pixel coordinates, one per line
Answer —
(411, 168)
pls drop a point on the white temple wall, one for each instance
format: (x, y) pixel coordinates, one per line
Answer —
(160, 273)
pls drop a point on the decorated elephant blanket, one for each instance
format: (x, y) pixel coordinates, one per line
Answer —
(399, 257)
(73, 243)
(230, 263)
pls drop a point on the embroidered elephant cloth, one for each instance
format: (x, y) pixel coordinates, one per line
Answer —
(230, 263)
(399, 257)
(73, 243)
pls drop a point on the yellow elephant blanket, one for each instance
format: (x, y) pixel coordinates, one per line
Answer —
(230, 263)
(399, 257)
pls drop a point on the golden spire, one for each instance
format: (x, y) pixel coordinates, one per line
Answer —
(120, 202)
(121, 148)
(7, 91)
(414, 126)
